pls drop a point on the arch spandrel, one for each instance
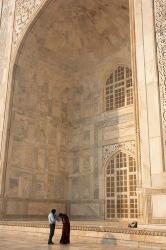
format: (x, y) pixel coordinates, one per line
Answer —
(111, 149)
(25, 13)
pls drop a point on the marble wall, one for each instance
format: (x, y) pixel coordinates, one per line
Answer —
(63, 143)
(58, 125)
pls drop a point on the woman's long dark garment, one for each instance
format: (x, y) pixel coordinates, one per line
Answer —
(65, 238)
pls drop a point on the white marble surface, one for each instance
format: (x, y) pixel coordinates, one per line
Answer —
(21, 241)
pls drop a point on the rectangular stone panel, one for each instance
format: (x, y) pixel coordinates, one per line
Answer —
(22, 156)
(16, 207)
(118, 131)
(75, 165)
(80, 187)
(44, 207)
(25, 186)
(159, 206)
(86, 210)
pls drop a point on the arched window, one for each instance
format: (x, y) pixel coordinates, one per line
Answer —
(121, 198)
(119, 89)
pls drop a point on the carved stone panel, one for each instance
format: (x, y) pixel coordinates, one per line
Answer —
(24, 14)
(108, 150)
(160, 17)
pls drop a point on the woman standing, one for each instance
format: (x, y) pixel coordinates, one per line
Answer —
(65, 238)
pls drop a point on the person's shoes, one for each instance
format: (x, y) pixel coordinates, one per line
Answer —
(50, 243)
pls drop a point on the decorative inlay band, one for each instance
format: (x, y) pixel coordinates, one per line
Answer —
(108, 150)
(160, 17)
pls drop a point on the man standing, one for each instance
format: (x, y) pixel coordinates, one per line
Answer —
(52, 222)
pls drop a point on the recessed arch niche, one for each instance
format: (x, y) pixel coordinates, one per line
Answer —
(56, 132)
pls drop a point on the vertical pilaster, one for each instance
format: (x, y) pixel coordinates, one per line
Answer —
(149, 137)
(160, 28)
(6, 31)
(0, 10)
(136, 109)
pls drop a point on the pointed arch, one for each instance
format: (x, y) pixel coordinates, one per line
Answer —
(120, 186)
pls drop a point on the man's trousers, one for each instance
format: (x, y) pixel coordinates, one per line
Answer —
(52, 229)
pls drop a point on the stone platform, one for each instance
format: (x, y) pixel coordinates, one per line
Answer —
(151, 236)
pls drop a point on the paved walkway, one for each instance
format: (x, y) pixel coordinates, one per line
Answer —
(27, 241)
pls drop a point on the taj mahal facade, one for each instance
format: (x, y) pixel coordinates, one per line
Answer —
(83, 109)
